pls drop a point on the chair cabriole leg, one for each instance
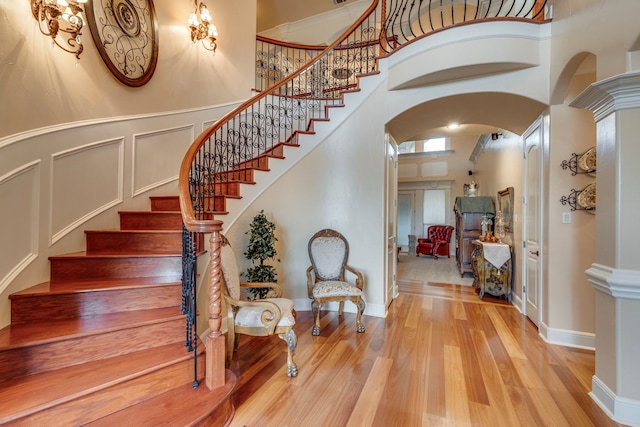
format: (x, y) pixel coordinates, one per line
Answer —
(315, 309)
(292, 341)
(361, 305)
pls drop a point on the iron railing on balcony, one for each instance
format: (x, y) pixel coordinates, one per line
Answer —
(407, 20)
(277, 60)
(311, 80)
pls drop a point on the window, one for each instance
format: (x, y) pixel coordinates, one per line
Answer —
(423, 146)
(434, 210)
(434, 144)
(407, 147)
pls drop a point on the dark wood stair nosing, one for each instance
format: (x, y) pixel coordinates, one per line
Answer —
(101, 324)
(153, 364)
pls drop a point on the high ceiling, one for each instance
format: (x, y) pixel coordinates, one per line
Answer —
(477, 113)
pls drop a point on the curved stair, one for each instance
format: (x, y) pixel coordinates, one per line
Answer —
(102, 342)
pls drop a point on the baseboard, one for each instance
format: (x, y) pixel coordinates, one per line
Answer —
(571, 338)
(622, 410)
(375, 310)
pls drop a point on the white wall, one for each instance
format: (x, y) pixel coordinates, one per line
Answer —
(42, 85)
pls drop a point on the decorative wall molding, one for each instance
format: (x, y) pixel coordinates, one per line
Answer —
(47, 130)
(175, 141)
(31, 253)
(92, 165)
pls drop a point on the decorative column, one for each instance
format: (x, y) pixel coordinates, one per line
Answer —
(615, 274)
(215, 341)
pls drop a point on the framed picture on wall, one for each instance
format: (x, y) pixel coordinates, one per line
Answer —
(505, 205)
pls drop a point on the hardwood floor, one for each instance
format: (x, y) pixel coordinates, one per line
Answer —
(440, 358)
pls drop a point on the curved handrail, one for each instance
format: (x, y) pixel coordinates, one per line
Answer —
(205, 225)
(405, 23)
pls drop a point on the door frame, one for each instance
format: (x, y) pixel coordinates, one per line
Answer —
(540, 125)
(391, 223)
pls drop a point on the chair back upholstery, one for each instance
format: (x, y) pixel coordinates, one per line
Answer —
(328, 252)
(437, 233)
(229, 269)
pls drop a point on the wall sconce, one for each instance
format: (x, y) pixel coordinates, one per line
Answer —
(61, 16)
(201, 27)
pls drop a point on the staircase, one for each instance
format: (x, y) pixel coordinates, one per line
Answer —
(102, 343)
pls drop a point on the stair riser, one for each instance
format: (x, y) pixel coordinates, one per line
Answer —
(123, 242)
(240, 175)
(101, 403)
(33, 359)
(150, 221)
(90, 268)
(167, 203)
(84, 304)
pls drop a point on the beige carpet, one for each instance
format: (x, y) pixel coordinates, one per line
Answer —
(428, 270)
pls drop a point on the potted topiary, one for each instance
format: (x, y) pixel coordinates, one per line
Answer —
(261, 247)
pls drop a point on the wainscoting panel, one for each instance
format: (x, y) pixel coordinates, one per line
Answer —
(85, 181)
(19, 192)
(157, 156)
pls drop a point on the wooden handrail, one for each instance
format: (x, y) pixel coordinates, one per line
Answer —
(205, 226)
(290, 45)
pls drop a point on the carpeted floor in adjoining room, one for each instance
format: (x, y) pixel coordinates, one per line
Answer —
(428, 270)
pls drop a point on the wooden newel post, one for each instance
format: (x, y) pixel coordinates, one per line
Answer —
(215, 342)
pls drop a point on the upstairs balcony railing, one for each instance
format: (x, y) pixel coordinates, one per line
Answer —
(407, 20)
(296, 85)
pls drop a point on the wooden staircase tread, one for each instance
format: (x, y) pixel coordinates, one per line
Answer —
(124, 254)
(33, 333)
(150, 212)
(94, 285)
(184, 406)
(139, 231)
(32, 393)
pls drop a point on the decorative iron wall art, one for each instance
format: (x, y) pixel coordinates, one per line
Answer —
(581, 163)
(125, 33)
(584, 199)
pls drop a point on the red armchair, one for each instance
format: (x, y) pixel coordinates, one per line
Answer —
(437, 241)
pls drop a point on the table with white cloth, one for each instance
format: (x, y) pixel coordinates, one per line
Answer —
(491, 263)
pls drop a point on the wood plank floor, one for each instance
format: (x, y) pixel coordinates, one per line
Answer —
(440, 358)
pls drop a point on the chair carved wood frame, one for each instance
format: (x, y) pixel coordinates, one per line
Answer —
(265, 317)
(329, 252)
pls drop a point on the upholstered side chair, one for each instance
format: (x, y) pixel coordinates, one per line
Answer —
(326, 282)
(270, 316)
(437, 241)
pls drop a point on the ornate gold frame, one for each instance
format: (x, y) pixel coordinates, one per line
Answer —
(505, 205)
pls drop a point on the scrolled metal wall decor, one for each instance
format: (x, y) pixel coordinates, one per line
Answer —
(126, 35)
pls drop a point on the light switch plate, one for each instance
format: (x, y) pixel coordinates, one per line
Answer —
(566, 217)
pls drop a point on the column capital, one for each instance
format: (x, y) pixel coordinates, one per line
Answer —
(620, 284)
(620, 92)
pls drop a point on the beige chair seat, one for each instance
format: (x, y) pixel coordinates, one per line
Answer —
(335, 288)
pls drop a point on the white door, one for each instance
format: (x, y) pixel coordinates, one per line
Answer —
(392, 215)
(532, 209)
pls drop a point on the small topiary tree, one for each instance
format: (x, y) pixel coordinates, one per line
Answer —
(261, 247)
